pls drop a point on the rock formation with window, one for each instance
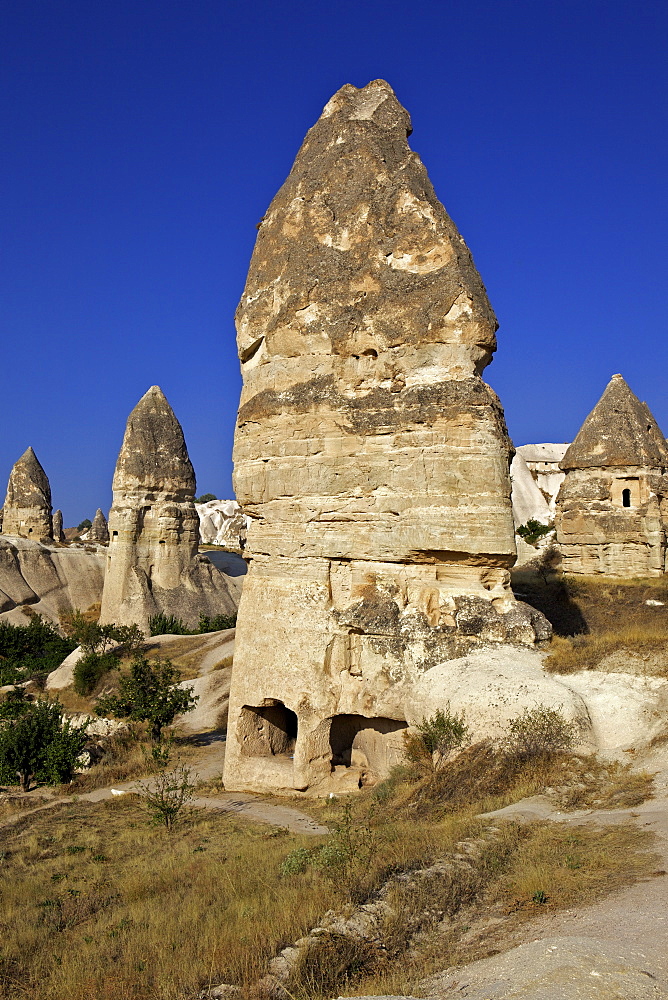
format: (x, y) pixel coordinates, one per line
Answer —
(27, 509)
(370, 455)
(153, 563)
(612, 508)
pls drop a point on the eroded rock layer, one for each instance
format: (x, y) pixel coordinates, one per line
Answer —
(27, 509)
(370, 455)
(153, 564)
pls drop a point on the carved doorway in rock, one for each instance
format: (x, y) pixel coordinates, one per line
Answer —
(373, 745)
(267, 730)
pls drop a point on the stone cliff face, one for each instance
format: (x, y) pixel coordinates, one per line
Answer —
(370, 455)
(27, 509)
(612, 507)
(49, 578)
(153, 564)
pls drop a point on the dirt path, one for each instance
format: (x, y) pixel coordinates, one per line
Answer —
(209, 766)
(615, 948)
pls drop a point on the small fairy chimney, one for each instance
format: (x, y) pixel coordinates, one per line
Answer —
(57, 530)
(612, 508)
(99, 530)
(153, 563)
(27, 509)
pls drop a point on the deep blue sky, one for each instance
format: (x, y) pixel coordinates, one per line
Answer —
(142, 140)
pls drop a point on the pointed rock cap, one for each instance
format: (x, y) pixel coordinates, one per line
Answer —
(99, 530)
(619, 431)
(365, 255)
(28, 485)
(154, 456)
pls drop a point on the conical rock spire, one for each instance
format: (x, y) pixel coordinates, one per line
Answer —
(619, 431)
(153, 455)
(27, 508)
(99, 530)
(153, 564)
(369, 454)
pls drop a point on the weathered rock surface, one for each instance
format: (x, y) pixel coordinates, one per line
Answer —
(370, 455)
(527, 499)
(557, 968)
(543, 463)
(49, 578)
(612, 508)
(493, 686)
(222, 522)
(152, 564)
(27, 509)
(99, 530)
(57, 526)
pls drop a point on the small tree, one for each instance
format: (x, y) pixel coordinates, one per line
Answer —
(85, 525)
(38, 744)
(95, 640)
(167, 794)
(149, 693)
(436, 739)
(533, 531)
(205, 497)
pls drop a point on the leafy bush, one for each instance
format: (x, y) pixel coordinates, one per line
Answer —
(149, 693)
(32, 650)
(533, 531)
(163, 624)
(96, 638)
(91, 668)
(217, 623)
(85, 525)
(205, 497)
(435, 740)
(39, 744)
(539, 732)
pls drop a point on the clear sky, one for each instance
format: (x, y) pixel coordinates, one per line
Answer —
(142, 140)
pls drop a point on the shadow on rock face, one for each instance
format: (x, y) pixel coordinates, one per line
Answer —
(553, 599)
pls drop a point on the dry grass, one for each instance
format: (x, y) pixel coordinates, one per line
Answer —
(530, 871)
(100, 905)
(648, 652)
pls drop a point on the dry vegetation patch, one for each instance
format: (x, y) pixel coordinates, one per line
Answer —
(594, 618)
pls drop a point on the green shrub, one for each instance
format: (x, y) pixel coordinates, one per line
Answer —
(539, 732)
(167, 793)
(39, 744)
(436, 739)
(205, 497)
(90, 668)
(31, 650)
(149, 693)
(217, 623)
(533, 531)
(163, 624)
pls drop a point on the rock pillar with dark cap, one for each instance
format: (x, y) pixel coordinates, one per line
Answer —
(99, 530)
(27, 509)
(153, 563)
(369, 453)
